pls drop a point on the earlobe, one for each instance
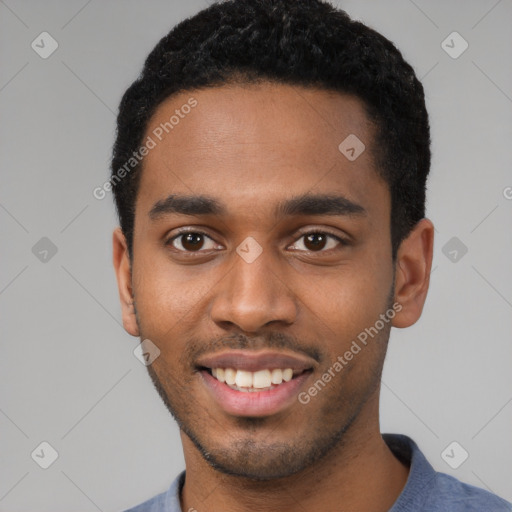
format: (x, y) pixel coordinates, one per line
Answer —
(412, 273)
(122, 267)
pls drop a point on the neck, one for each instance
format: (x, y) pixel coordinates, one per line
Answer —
(360, 473)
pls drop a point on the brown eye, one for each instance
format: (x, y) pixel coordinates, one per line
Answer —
(315, 241)
(318, 241)
(191, 241)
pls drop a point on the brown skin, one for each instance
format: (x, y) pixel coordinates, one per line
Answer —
(251, 147)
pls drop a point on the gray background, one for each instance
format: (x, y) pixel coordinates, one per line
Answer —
(68, 374)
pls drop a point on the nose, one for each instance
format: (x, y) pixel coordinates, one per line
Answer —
(253, 295)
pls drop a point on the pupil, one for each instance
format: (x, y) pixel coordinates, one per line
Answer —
(193, 241)
(317, 241)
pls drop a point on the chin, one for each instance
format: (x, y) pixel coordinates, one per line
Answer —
(262, 461)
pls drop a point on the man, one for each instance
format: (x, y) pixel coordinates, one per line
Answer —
(269, 175)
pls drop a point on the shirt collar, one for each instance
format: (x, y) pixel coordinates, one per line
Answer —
(403, 447)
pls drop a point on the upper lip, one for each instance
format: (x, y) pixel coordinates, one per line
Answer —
(254, 361)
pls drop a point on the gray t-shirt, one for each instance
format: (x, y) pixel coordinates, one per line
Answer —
(426, 490)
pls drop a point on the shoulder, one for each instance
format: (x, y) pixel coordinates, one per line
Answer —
(168, 501)
(428, 490)
(448, 493)
(155, 504)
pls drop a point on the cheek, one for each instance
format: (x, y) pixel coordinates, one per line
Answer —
(161, 301)
(169, 299)
(347, 300)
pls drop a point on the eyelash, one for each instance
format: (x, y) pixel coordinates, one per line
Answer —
(342, 241)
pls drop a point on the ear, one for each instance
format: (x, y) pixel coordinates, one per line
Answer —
(412, 277)
(121, 260)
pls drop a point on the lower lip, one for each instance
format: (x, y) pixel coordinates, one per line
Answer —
(257, 403)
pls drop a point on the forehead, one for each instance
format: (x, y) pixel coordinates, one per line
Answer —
(242, 142)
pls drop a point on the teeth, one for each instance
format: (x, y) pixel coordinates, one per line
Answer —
(287, 374)
(277, 376)
(261, 379)
(220, 374)
(230, 376)
(243, 380)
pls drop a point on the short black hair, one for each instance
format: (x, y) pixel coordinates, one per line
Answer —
(307, 43)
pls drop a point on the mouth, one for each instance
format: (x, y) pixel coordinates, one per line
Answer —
(254, 384)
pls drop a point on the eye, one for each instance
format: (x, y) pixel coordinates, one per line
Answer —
(318, 241)
(191, 241)
(197, 241)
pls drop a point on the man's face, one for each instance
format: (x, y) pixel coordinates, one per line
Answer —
(287, 298)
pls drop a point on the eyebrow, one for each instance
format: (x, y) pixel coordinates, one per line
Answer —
(307, 204)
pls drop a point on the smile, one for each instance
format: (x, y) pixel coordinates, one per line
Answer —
(245, 383)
